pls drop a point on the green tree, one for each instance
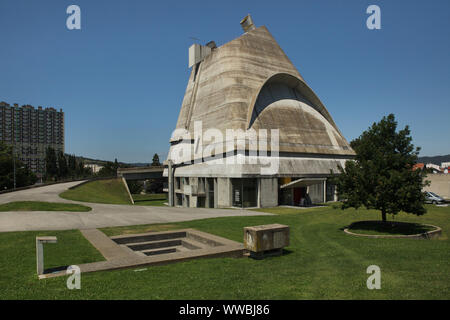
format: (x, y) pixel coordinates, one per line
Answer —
(155, 160)
(381, 175)
(62, 165)
(72, 165)
(51, 167)
(81, 170)
(108, 170)
(24, 176)
(135, 187)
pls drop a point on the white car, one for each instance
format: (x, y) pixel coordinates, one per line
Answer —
(433, 198)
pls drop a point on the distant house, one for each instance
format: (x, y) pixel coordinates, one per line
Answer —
(420, 166)
(435, 167)
(94, 167)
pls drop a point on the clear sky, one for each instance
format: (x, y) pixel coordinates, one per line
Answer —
(121, 79)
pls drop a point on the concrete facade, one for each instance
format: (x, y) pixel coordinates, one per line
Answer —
(250, 86)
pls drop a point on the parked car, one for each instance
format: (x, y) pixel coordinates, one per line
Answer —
(433, 198)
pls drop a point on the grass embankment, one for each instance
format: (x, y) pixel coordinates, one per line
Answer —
(157, 199)
(322, 262)
(101, 191)
(43, 206)
(111, 191)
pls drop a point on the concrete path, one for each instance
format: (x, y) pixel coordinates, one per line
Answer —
(108, 248)
(102, 215)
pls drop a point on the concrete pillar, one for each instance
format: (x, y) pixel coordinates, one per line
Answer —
(223, 191)
(40, 252)
(170, 181)
(324, 191)
(268, 192)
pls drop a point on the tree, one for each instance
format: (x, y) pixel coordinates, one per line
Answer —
(51, 168)
(135, 187)
(381, 175)
(62, 165)
(81, 171)
(108, 170)
(155, 185)
(24, 176)
(155, 160)
(72, 165)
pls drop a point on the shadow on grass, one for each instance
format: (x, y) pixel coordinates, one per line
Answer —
(394, 228)
(55, 269)
(287, 252)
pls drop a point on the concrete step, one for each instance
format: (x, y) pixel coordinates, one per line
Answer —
(148, 237)
(192, 244)
(185, 246)
(141, 246)
(161, 251)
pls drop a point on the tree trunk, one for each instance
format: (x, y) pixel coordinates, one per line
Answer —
(383, 215)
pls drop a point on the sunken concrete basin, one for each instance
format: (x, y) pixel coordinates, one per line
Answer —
(160, 243)
(154, 248)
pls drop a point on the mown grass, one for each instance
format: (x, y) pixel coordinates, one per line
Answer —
(43, 206)
(101, 191)
(322, 262)
(157, 199)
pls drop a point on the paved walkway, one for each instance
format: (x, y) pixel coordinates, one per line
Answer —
(101, 216)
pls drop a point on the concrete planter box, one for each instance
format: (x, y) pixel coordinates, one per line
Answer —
(266, 239)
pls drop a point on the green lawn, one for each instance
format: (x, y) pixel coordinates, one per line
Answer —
(101, 191)
(157, 199)
(111, 191)
(322, 262)
(43, 206)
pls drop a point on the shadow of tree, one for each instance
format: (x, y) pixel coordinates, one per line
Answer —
(394, 228)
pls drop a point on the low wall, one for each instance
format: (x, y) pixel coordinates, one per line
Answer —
(440, 184)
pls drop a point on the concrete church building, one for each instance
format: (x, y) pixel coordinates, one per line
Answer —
(250, 83)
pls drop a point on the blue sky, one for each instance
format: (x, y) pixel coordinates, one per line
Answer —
(121, 79)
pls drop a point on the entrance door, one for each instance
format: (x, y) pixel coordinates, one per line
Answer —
(299, 196)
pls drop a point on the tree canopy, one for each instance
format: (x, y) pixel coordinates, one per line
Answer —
(381, 176)
(24, 177)
(155, 160)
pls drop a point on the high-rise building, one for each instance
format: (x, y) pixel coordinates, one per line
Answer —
(30, 132)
